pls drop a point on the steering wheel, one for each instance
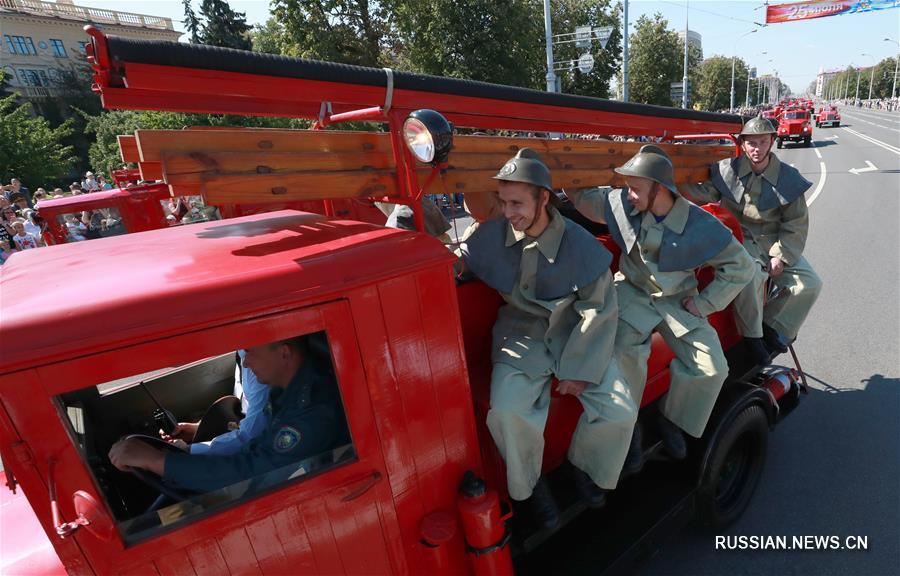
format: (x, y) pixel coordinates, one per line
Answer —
(151, 479)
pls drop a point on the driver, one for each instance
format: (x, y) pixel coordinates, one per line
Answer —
(306, 418)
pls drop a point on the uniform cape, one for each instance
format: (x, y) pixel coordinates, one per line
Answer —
(580, 261)
(702, 238)
(791, 184)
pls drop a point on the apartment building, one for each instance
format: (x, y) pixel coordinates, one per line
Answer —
(41, 39)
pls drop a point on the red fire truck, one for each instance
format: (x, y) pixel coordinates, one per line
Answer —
(100, 336)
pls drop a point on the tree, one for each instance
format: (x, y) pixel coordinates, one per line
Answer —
(268, 37)
(347, 31)
(569, 14)
(29, 148)
(494, 41)
(654, 61)
(191, 22)
(217, 25)
(713, 88)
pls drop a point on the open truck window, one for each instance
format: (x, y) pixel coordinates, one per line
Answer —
(304, 433)
(91, 224)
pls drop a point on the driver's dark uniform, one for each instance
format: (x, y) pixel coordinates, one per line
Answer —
(306, 419)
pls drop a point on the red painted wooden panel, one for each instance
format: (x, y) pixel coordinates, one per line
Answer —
(292, 533)
(174, 564)
(238, 553)
(267, 546)
(446, 359)
(321, 537)
(358, 532)
(206, 558)
(384, 390)
(405, 335)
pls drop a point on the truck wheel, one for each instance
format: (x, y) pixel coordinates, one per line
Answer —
(806, 141)
(734, 467)
(836, 124)
(780, 144)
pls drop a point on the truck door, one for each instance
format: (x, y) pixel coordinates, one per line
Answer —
(329, 513)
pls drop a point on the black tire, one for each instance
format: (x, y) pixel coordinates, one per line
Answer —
(733, 470)
(836, 125)
(806, 141)
(780, 143)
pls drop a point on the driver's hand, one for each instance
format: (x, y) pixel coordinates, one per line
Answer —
(573, 387)
(133, 453)
(776, 266)
(184, 431)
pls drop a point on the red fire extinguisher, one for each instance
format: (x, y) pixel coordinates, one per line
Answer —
(484, 526)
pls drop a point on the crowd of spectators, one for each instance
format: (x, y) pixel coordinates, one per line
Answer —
(21, 226)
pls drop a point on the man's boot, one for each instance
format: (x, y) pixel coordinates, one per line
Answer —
(634, 462)
(587, 490)
(773, 340)
(758, 352)
(543, 506)
(672, 438)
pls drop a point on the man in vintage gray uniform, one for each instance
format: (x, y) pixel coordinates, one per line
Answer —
(664, 239)
(767, 198)
(559, 320)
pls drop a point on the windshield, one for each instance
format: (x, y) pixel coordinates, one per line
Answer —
(795, 115)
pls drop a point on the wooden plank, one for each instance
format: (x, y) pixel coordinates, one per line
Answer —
(267, 547)
(283, 187)
(197, 164)
(128, 148)
(152, 143)
(200, 162)
(151, 170)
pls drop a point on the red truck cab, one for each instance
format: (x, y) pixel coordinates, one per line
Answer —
(828, 116)
(793, 126)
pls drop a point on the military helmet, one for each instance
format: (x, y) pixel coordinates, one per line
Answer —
(653, 163)
(757, 125)
(526, 166)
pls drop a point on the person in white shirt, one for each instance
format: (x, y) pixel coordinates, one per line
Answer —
(89, 184)
(24, 240)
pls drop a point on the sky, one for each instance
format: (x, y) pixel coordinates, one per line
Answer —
(796, 50)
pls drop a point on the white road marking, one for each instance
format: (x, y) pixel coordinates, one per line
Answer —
(819, 154)
(832, 137)
(877, 125)
(884, 145)
(869, 168)
(820, 185)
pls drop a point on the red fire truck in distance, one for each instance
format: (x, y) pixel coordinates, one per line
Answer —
(100, 336)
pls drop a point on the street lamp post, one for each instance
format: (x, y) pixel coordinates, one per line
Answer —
(733, 57)
(747, 99)
(872, 73)
(896, 68)
(548, 32)
(856, 98)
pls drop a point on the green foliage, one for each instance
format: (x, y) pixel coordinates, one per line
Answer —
(496, 41)
(217, 25)
(191, 23)
(568, 15)
(654, 61)
(29, 148)
(713, 89)
(347, 31)
(268, 37)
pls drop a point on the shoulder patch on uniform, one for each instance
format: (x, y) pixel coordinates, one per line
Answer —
(286, 439)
